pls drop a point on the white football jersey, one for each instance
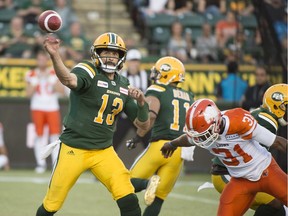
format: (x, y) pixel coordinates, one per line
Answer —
(44, 99)
(238, 146)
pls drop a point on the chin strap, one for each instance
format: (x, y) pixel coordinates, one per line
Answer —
(108, 68)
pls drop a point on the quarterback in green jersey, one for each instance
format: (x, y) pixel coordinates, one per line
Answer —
(167, 105)
(98, 94)
(269, 115)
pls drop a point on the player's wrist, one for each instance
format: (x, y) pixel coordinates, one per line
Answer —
(140, 103)
(173, 146)
(138, 138)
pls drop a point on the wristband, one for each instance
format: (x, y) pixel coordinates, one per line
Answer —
(143, 112)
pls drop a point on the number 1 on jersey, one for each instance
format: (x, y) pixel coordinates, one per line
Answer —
(175, 125)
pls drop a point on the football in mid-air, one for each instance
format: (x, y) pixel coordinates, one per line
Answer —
(50, 21)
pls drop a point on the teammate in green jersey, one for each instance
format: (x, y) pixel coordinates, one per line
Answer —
(98, 94)
(269, 115)
(167, 105)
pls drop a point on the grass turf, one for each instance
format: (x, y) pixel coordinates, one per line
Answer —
(22, 192)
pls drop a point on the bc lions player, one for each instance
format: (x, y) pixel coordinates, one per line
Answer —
(234, 136)
(269, 115)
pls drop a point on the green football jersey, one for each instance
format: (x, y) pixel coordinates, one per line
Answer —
(266, 119)
(174, 103)
(94, 106)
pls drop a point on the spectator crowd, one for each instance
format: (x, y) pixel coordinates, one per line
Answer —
(20, 36)
(203, 31)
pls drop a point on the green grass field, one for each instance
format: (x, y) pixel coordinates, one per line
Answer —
(22, 191)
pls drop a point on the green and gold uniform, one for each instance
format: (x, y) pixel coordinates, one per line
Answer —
(94, 106)
(86, 142)
(220, 175)
(169, 124)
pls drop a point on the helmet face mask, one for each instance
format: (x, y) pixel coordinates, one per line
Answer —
(108, 41)
(203, 120)
(168, 70)
(204, 139)
(154, 75)
(275, 100)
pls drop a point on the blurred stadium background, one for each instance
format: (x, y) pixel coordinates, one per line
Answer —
(84, 21)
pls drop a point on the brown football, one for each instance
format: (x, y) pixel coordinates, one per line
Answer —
(49, 21)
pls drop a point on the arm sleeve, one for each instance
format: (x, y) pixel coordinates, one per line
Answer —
(263, 136)
(131, 109)
(134, 111)
(143, 112)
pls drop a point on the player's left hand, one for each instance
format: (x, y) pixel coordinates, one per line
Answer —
(167, 150)
(137, 94)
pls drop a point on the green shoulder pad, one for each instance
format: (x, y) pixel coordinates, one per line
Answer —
(156, 88)
(88, 67)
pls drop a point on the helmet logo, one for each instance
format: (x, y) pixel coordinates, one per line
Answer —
(165, 67)
(112, 38)
(277, 96)
(210, 114)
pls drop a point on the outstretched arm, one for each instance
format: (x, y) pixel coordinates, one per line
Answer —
(269, 139)
(280, 143)
(169, 147)
(52, 46)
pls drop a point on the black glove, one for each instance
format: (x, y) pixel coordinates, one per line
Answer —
(132, 143)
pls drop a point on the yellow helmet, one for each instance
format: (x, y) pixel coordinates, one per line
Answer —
(111, 41)
(168, 70)
(275, 99)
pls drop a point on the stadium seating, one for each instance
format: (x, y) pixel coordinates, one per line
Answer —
(159, 20)
(248, 22)
(192, 20)
(195, 32)
(157, 28)
(161, 34)
(31, 30)
(6, 15)
(4, 28)
(213, 19)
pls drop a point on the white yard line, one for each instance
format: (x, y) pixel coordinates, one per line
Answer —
(39, 180)
(81, 180)
(193, 198)
(188, 183)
